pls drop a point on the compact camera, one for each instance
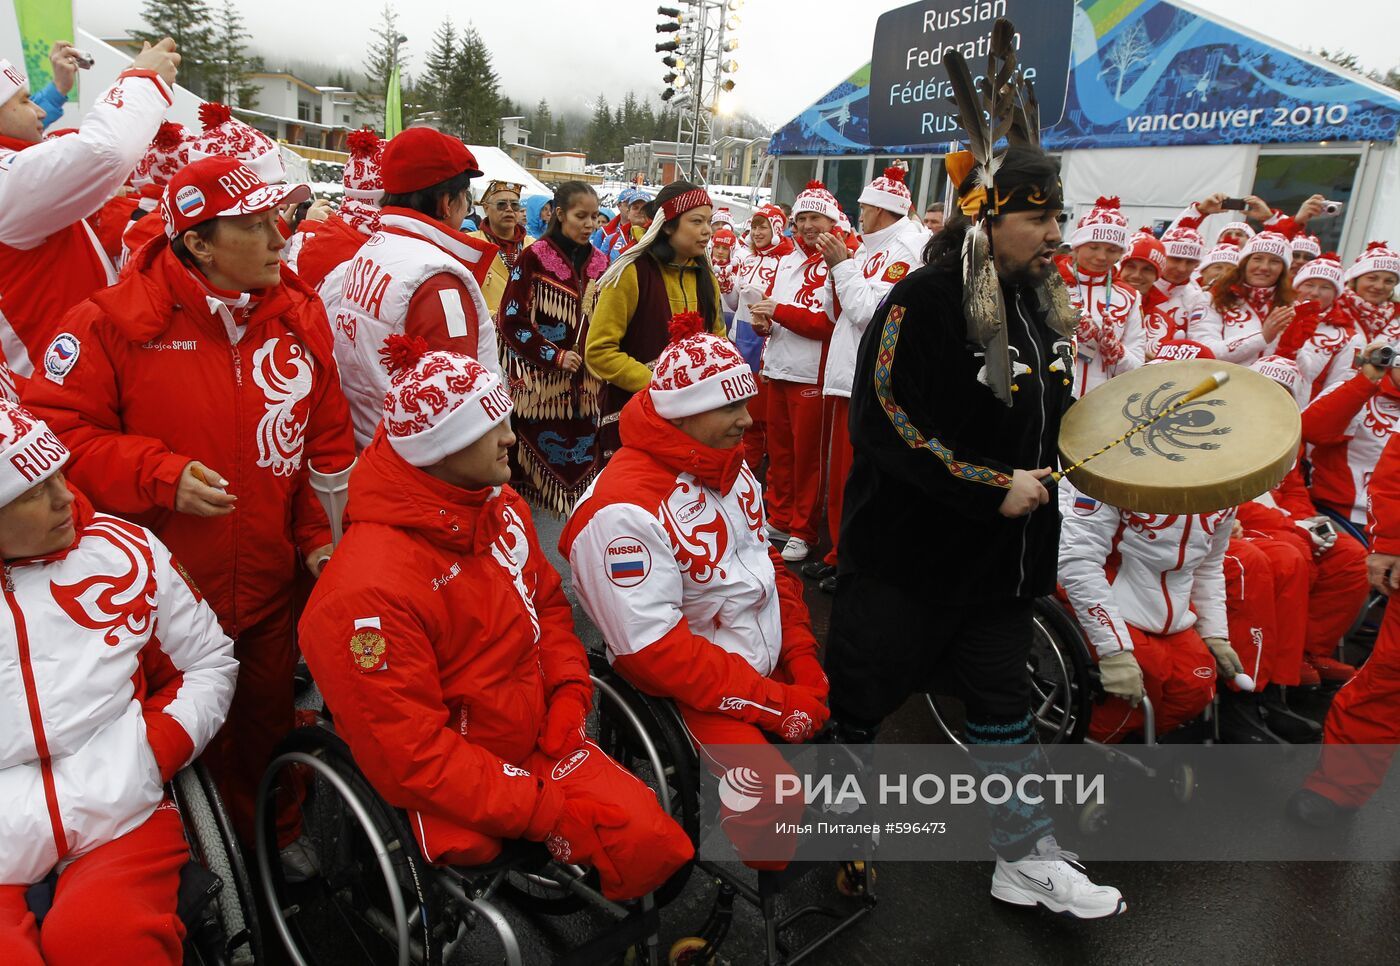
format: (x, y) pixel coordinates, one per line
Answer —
(82, 58)
(1331, 209)
(1324, 529)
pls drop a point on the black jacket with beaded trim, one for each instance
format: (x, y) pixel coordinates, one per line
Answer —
(934, 449)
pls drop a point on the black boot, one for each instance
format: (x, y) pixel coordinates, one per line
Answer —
(1241, 723)
(1284, 721)
(818, 569)
(1316, 810)
(827, 585)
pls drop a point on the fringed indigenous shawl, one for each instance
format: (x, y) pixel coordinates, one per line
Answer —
(544, 313)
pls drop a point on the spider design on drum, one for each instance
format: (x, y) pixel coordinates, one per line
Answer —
(1184, 429)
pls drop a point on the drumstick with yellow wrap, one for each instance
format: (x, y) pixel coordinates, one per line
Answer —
(1209, 384)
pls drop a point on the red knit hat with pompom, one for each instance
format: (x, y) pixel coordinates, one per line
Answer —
(224, 136)
(169, 152)
(439, 402)
(698, 372)
(363, 180)
(889, 192)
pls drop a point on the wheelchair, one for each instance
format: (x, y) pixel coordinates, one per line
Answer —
(1367, 624)
(1062, 680)
(216, 900)
(376, 900)
(1064, 685)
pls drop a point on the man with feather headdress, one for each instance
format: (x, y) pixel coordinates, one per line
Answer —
(948, 534)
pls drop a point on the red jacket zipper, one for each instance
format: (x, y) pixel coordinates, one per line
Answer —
(36, 721)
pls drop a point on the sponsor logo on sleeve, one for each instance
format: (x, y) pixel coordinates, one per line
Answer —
(627, 561)
(569, 764)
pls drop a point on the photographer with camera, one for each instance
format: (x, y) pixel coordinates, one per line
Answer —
(1347, 426)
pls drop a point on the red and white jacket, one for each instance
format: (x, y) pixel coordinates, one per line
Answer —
(326, 245)
(1237, 334)
(755, 270)
(413, 276)
(1174, 310)
(439, 634)
(1384, 529)
(1327, 356)
(50, 258)
(1372, 321)
(1162, 574)
(113, 675)
(1346, 427)
(160, 370)
(803, 320)
(671, 560)
(1111, 338)
(861, 284)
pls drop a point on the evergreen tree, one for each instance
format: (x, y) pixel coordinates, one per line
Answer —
(599, 138)
(228, 79)
(441, 66)
(618, 135)
(542, 126)
(386, 47)
(474, 102)
(189, 23)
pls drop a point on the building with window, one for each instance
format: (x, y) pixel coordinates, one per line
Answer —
(1201, 106)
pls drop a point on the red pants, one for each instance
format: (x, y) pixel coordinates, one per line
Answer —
(645, 852)
(1178, 674)
(1339, 590)
(116, 904)
(794, 458)
(1363, 724)
(838, 466)
(750, 826)
(259, 718)
(1266, 600)
(756, 436)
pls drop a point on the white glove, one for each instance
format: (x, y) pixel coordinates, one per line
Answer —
(1226, 660)
(1120, 674)
(1320, 544)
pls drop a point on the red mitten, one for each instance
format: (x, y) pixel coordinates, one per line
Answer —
(1110, 349)
(563, 723)
(806, 671)
(804, 714)
(1086, 331)
(576, 837)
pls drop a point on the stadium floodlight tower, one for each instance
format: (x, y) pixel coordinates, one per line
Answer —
(700, 62)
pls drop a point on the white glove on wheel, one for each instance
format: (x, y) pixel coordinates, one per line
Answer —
(1226, 660)
(1120, 674)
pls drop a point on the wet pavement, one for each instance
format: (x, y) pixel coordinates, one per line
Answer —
(1177, 912)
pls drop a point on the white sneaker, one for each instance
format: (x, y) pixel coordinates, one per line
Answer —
(299, 862)
(795, 550)
(1052, 877)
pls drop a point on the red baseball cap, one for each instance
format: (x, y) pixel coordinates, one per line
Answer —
(420, 157)
(220, 187)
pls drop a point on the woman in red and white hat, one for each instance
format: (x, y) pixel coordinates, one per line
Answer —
(664, 273)
(1369, 295)
(1251, 305)
(331, 244)
(1110, 335)
(1140, 269)
(115, 676)
(168, 153)
(1324, 340)
(196, 394)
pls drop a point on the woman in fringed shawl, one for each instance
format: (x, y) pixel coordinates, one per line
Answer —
(543, 321)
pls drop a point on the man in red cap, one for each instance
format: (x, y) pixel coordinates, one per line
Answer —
(417, 275)
(443, 642)
(50, 259)
(195, 395)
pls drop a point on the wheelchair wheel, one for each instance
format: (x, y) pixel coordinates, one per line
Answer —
(215, 846)
(370, 902)
(1059, 669)
(641, 735)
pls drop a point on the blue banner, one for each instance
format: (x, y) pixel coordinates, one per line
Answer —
(1146, 73)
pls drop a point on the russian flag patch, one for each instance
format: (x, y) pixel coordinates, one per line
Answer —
(1083, 505)
(628, 561)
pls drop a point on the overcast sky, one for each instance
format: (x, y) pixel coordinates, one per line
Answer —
(791, 51)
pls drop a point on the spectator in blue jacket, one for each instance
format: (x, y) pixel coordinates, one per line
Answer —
(64, 59)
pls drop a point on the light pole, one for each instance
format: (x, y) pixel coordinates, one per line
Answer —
(697, 66)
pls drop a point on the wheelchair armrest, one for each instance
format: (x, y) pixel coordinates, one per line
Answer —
(198, 888)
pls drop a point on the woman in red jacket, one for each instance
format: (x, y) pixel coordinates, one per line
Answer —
(209, 372)
(443, 642)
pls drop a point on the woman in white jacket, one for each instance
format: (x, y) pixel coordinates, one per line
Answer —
(113, 675)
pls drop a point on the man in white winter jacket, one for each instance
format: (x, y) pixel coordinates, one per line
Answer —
(50, 259)
(113, 675)
(891, 246)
